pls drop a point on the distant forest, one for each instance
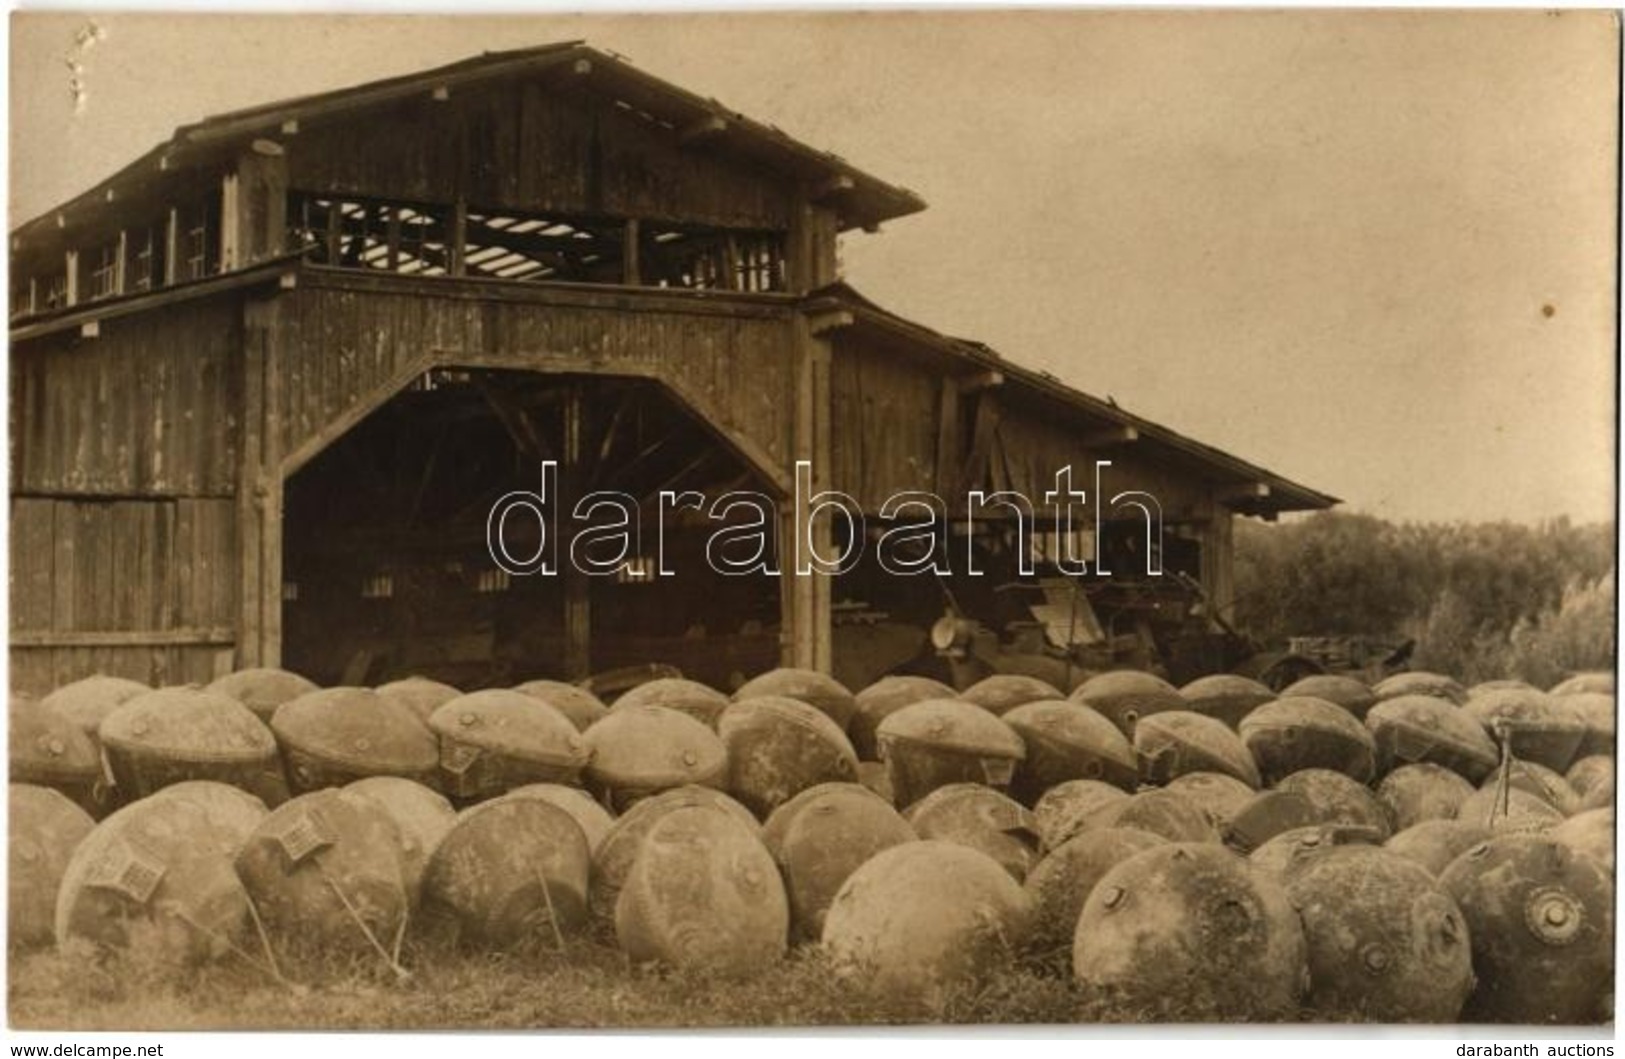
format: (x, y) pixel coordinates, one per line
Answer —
(1483, 600)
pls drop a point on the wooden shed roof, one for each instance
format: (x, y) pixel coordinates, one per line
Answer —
(1257, 491)
(862, 200)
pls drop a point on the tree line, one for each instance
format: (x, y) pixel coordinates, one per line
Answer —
(1484, 600)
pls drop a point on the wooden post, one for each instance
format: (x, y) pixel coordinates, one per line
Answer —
(231, 222)
(805, 600)
(457, 238)
(632, 266)
(577, 590)
(118, 262)
(259, 489)
(1218, 563)
(810, 248)
(172, 248)
(261, 214)
(72, 263)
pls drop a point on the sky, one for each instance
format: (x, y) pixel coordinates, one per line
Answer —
(1374, 251)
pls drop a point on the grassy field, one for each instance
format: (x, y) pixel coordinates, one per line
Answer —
(590, 984)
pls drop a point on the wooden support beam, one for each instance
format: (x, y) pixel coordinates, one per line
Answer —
(1218, 565)
(1244, 493)
(231, 223)
(631, 260)
(261, 217)
(181, 637)
(577, 588)
(840, 184)
(703, 129)
(1106, 437)
(829, 320)
(974, 470)
(71, 262)
(948, 438)
(982, 380)
(172, 247)
(457, 238)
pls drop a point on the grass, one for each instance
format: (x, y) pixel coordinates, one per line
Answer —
(588, 985)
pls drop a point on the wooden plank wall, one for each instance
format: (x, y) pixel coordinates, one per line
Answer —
(534, 146)
(121, 586)
(357, 334)
(888, 409)
(123, 526)
(146, 408)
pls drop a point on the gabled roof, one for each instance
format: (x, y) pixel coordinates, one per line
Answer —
(1260, 492)
(862, 200)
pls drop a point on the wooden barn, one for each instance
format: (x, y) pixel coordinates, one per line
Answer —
(269, 379)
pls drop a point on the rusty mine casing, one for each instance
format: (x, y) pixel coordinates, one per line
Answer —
(419, 694)
(644, 750)
(581, 706)
(823, 693)
(1420, 682)
(1172, 743)
(1298, 732)
(883, 698)
(1134, 946)
(176, 734)
(325, 873)
(1266, 815)
(1221, 797)
(48, 750)
(262, 689)
(1601, 682)
(85, 702)
(1435, 844)
(1551, 787)
(923, 919)
(1291, 850)
(941, 741)
(1061, 883)
(1068, 741)
(1523, 811)
(703, 895)
(613, 858)
(1544, 729)
(820, 837)
(1126, 695)
(1541, 919)
(1414, 793)
(700, 701)
(1003, 692)
(45, 828)
(1592, 777)
(1599, 713)
(982, 819)
(338, 735)
(1225, 697)
(593, 819)
(156, 877)
(1590, 832)
(492, 741)
(1065, 809)
(779, 747)
(1337, 689)
(1337, 799)
(1411, 729)
(1160, 811)
(423, 818)
(510, 873)
(1386, 942)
